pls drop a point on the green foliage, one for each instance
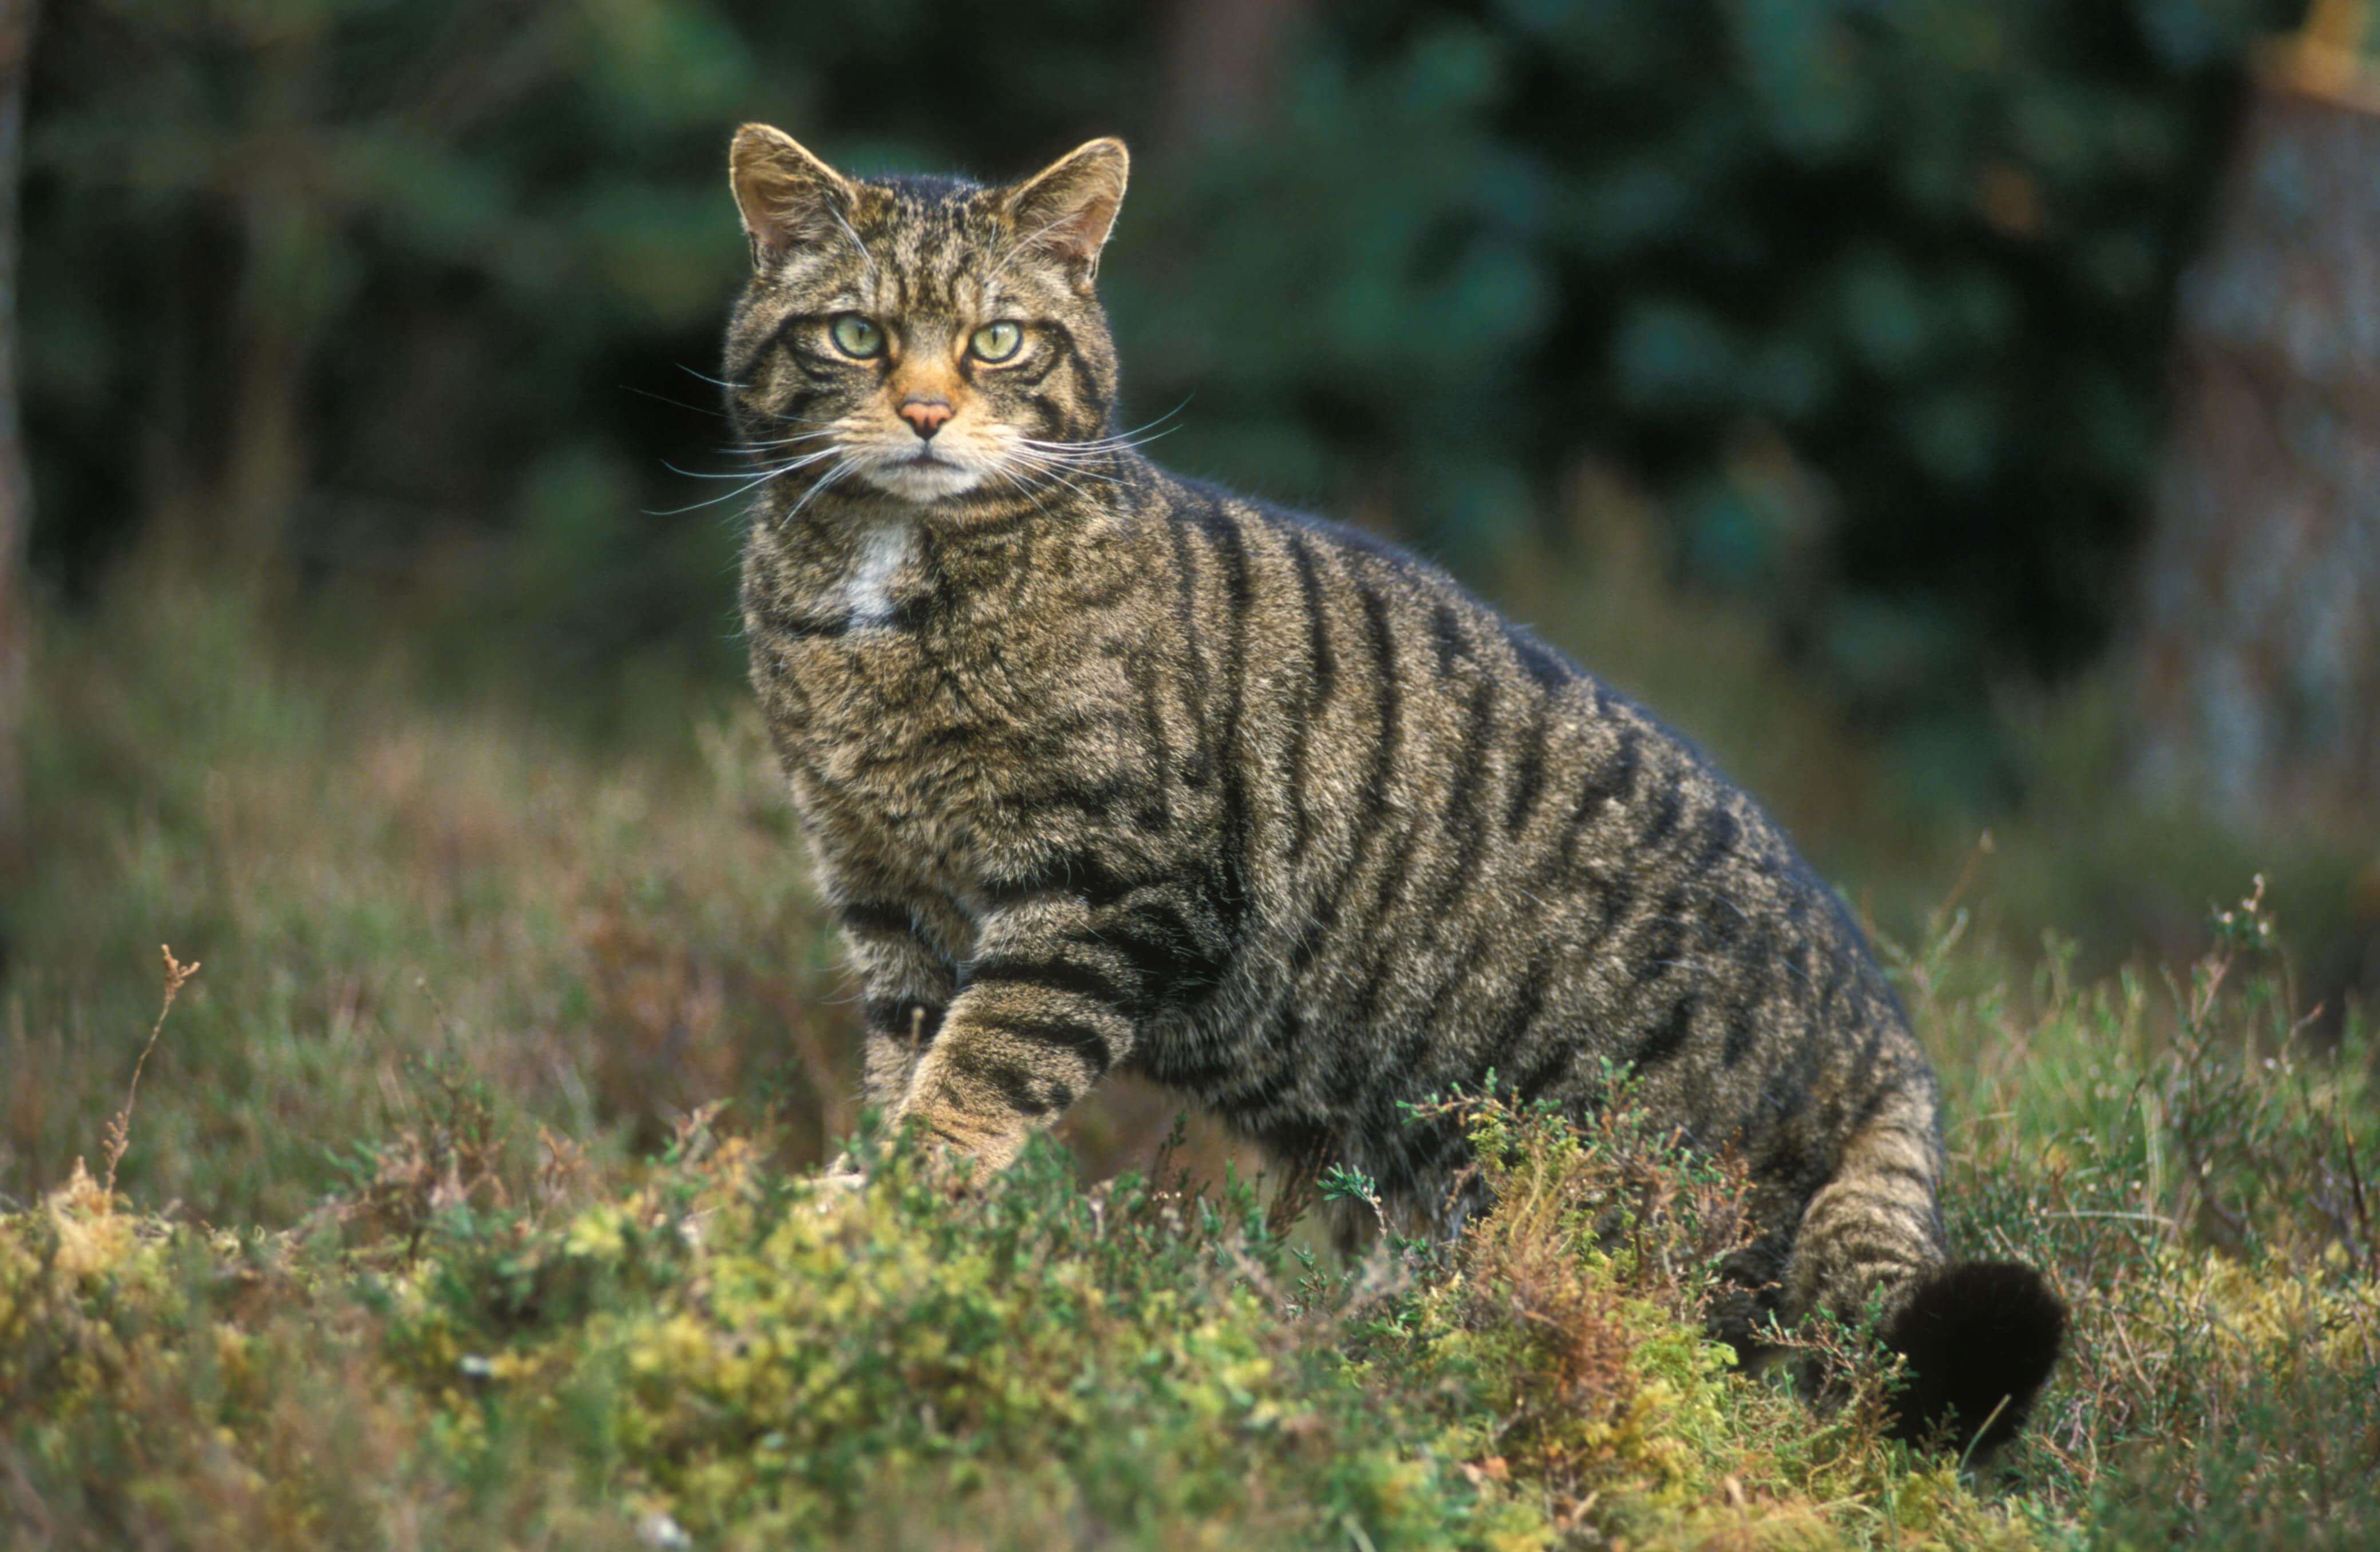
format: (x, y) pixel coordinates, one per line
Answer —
(433, 1230)
(2199, 1172)
(728, 1351)
(1875, 294)
(705, 1346)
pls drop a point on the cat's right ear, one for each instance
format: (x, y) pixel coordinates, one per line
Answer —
(788, 197)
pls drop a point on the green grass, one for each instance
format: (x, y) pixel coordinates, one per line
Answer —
(467, 1202)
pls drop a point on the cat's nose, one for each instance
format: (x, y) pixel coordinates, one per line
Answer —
(925, 416)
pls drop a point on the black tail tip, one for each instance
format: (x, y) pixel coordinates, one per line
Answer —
(1981, 1337)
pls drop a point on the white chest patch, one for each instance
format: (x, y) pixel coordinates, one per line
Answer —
(869, 594)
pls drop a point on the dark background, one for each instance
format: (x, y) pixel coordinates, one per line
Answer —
(1874, 299)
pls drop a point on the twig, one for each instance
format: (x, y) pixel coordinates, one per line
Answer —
(1975, 856)
(119, 1131)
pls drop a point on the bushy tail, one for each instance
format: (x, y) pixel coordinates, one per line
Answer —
(1981, 1338)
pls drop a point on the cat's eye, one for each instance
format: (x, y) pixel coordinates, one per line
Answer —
(854, 335)
(997, 342)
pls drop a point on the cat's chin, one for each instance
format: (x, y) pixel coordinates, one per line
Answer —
(923, 481)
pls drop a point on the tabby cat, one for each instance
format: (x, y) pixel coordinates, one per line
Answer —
(1105, 768)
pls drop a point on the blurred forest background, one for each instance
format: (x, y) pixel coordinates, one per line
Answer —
(1830, 372)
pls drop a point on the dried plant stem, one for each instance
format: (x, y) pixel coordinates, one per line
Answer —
(119, 1131)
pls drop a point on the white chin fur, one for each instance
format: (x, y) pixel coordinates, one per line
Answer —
(922, 482)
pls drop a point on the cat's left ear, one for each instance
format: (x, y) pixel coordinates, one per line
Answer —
(1068, 208)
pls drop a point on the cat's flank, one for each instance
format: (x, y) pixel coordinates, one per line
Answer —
(1105, 768)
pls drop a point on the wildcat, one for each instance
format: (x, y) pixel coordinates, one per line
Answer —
(1103, 768)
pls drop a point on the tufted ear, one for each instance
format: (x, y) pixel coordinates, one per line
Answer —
(1067, 209)
(788, 197)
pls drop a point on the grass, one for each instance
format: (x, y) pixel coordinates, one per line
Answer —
(465, 1200)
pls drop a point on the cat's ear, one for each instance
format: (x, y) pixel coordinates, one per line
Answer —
(788, 197)
(1068, 208)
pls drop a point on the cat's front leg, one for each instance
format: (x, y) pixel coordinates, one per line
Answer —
(1044, 1009)
(906, 988)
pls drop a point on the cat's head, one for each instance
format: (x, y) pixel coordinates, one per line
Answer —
(937, 341)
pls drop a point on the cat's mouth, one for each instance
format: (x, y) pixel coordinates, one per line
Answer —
(923, 476)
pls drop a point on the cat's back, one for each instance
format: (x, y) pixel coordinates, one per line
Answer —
(1466, 855)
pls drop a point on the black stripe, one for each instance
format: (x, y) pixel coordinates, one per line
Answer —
(979, 531)
(1048, 422)
(1389, 703)
(1200, 766)
(1553, 1068)
(1153, 734)
(1459, 971)
(1618, 779)
(1098, 800)
(1754, 956)
(738, 369)
(803, 627)
(1465, 819)
(1786, 1093)
(1529, 777)
(1017, 1084)
(878, 916)
(1545, 665)
(1049, 975)
(1030, 373)
(789, 416)
(1316, 620)
(1317, 691)
(1071, 1035)
(1080, 873)
(1612, 782)
(1171, 970)
(1224, 535)
(1619, 891)
(1528, 1001)
(1390, 946)
(1908, 1174)
(1063, 337)
(1668, 1037)
(1668, 809)
(1663, 940)
(1226, 889)
(1447, 632)
(1017, 1089)
(919, 609)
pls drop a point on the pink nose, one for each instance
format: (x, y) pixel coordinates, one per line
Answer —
(925, 416)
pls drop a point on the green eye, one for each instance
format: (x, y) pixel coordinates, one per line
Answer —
(854, 335)
(996, 342)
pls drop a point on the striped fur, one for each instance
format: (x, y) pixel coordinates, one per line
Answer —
(1105, 768)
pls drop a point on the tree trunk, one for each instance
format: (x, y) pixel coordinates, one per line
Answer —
(16, 478)
(2257, 620)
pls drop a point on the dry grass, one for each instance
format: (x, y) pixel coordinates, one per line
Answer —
(443, 1235)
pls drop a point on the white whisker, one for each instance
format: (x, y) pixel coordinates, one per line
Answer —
(1049, 471)
(770, 473)
(865, 258)
(824, 483)
(714, 500)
